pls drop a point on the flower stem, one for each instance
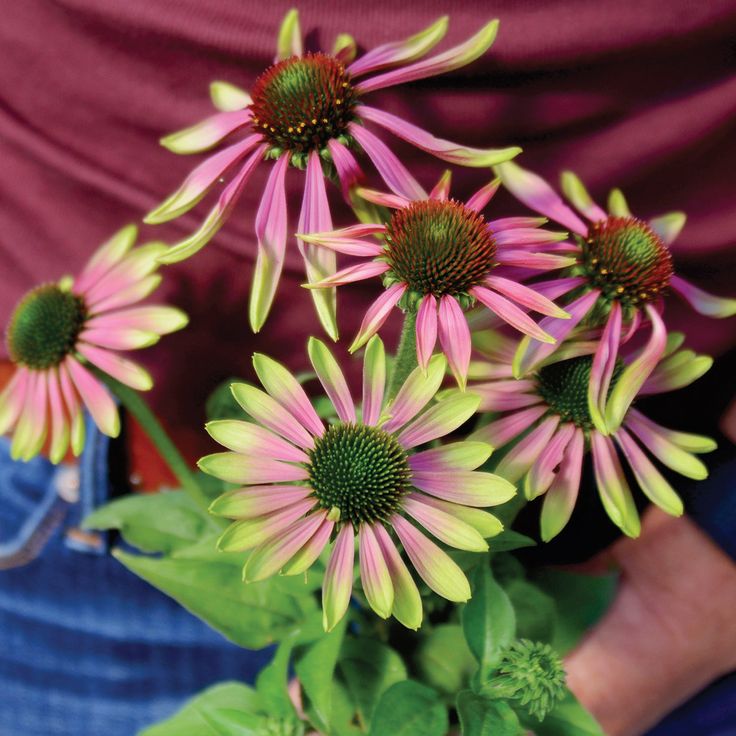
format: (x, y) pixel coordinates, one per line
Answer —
(406, 355)
(139, 408)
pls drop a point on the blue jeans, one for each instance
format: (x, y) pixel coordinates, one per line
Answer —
(87, 648)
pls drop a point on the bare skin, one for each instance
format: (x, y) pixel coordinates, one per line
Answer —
(670, 631)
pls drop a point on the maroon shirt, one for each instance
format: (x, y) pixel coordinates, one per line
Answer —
(637, 94)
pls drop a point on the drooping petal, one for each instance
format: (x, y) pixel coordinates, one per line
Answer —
(452, 59)
(392, 171)
(217, 215)
(226, 97)
(454, 153)
(612, 486)
(346, 165)
(407, 606)
(435, 567)
(268, 558)
(650, 480)
(332, 379)
(416, 392)
(673, 449)
(526, 296)
(271, 234)
(32, 428)
(530, 354)
(289, 41)
(447, 528)
(467, 487)
(701, 301)
(518, 461)
(236, 468)
(268, 412)
(636, 373)
(559, 501)
(575, 191)
(200, 181)
(95, 397)
(604, 363)
(338, 584)
(249, 533)
(510, 313)
(426, 328)
(59, 423)
(255, 501)
(12, 399)
(678, 371)
(374, 380)
(250, 439)
(483, 196)
(374, 573)
(464, 455)
(454, 335)
(534, 192)
(74, 410)
(501, 431)
(668, 226)
(400, 52)
(441, 190)
(282, 386)
(122, 369)
(542, 473)
(377, 314)
(441, 419)
(310, 551)
(207, 133)
(507, 395)
(320, 262)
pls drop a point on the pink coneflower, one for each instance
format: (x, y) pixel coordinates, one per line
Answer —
(305, 484)
(623, 267)
(437, 258)
(552, 403)
(307, 111)
(58, 330)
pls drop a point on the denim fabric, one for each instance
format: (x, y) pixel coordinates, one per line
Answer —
(86, 648)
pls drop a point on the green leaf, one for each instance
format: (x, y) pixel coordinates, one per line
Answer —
(509, 540)
(536, 613)
(444, 659)
(488, 620)
(196, 717)
(580, 600)
(315, 670)
(222, 405)
(409, 709)
(569, 718)
(481, 716)
(251, 616)
(157, 522)
(368, 669)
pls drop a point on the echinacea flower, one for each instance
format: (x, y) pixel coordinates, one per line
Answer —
(307, 110)
(305, 484)
(437, 258)
(552, 403)
(58, 331)
(623, 268)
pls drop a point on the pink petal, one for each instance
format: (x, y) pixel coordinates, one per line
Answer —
(542, 473)
(426, 329)
(536, 261)
(441, 190)
(501, 431)
(118, 367)
(374, 573)
(392, 171)
(349, 275)
(446, 150)
(377, 314)
(439, 420)
(338, 583)
(483, 196)
(512, 223)
(310, 551)
(13, 398)
(74, 410)
(525, 296)
(59, 423)
(507, 395)
(31, 430)
(374, 381)
(555, 288)
(207, 133)
(534, 192)
(604, 364)
(510, 313)
(271, 234)
(95, 397)
(701, 301)
(464, 455)
(447, 528)
(517, 462)
(106, 257)
(383, 199)
(255, 501)
(332, 379)
(348, 169)
(466, 487)
(151, 318)
(250, 469)
(454, 335)
(248, 438)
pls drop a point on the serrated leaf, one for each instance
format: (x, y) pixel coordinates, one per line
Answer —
(409, 709)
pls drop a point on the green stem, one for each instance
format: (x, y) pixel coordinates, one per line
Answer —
(406, 355)
(138, 407)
